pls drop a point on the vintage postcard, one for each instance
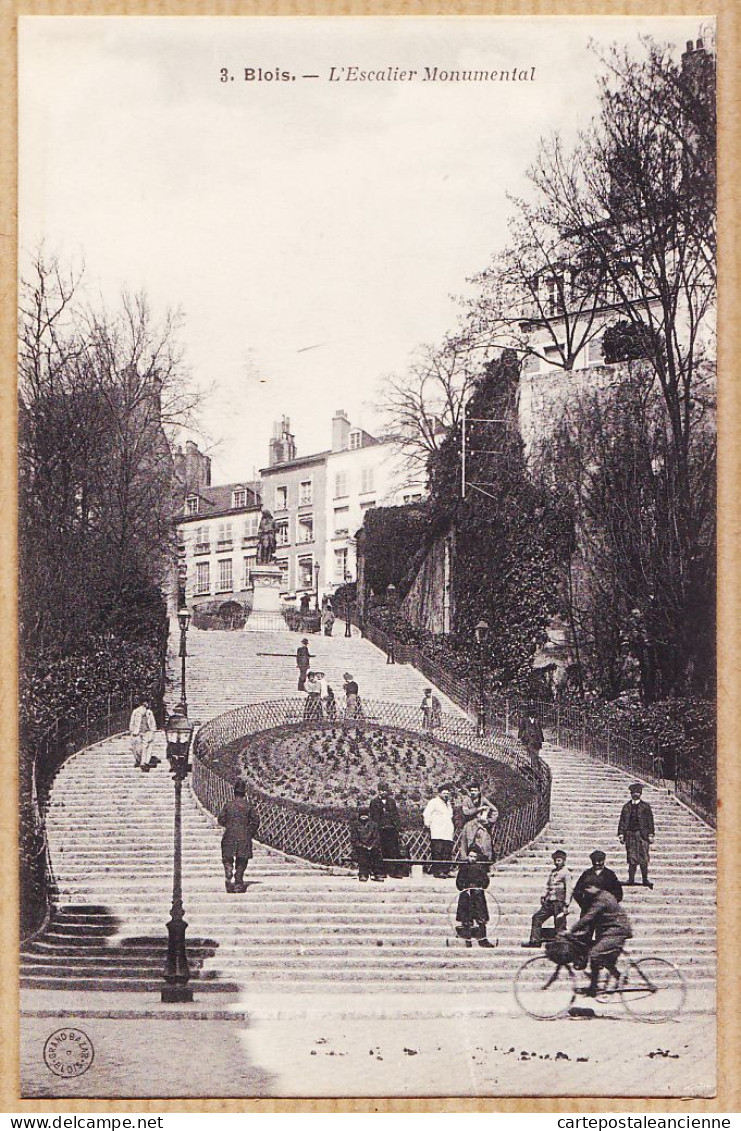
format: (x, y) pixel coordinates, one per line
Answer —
(367, 557)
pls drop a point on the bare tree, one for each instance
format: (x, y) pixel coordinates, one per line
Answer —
(542, 296)
(424, 405)
(96, 475)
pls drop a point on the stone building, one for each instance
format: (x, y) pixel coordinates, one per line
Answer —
(319, 501)
(217, 545)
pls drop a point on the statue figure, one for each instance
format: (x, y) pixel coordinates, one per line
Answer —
(266, 539)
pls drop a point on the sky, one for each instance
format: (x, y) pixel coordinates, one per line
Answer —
(314, 233)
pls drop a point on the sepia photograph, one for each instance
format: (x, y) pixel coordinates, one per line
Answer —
(367, 562)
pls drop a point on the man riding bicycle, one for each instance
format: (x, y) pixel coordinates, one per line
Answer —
(612, 929)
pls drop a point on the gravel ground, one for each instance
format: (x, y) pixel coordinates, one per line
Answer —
(338, 1056)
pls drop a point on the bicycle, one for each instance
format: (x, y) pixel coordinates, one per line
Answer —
(651, 989)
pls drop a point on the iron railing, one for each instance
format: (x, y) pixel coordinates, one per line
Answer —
(302, 830)
(40, 760)
(691, 775)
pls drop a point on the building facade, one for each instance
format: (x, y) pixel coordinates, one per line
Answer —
(362, 473)
(319, 502)
(217, 545)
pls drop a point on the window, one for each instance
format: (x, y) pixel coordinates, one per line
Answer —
(366, 480)
(355, 437)
(225, 576)
(281, 533)
(304, 493)
(341, 520)
(367, 506)
(281, 498)
(191, 504)
(594, 352)
(250, 561)
(203, 577)
(239, 497)
(305, 573)
(285, 579)
(251, 525)
(305, 528)
(203, 541)
(340, 484)
(224, 536)
(340, 564)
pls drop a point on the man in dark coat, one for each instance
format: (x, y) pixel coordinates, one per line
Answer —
(598, 875)
(636, 832)
(366, 845)
(530, 734)
(303, 661)
(240, 823)
(385, 814)
(612, 929)
(472, 879)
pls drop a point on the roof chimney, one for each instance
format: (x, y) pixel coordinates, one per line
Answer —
(283, 443)
(340, 431)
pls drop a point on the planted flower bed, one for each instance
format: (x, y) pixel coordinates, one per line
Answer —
(305, 778)
(333, 769)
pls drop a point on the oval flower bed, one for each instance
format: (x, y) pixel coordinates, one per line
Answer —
(332, 770)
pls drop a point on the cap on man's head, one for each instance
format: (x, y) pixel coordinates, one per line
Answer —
(305, 640)
(636, 787)
(559, 852)
(347, 675)
(597, 857)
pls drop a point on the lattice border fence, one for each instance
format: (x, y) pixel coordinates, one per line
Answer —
(300, 830)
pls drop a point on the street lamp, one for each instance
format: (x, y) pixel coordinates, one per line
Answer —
(179, 731)
(481, 632)
(348, 579)
(183, 621)
(316, 585)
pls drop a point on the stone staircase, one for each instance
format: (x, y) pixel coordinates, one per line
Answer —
(300, 928)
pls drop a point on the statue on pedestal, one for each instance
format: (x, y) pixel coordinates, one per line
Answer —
(266, 539)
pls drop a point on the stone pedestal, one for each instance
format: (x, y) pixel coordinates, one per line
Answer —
(266, 581)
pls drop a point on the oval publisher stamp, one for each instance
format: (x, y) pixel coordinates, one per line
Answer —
(68, 1052)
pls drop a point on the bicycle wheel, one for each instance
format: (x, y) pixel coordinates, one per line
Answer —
(544, 989)
(492, 906)
(652, 989)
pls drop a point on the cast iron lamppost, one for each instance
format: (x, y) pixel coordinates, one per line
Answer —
(179, 731)
(348, 579)
(481, 632)
(316, 585)
(183, 621)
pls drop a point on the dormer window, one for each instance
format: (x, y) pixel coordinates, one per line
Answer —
(354, 441)
(191, 504)
(239, 498)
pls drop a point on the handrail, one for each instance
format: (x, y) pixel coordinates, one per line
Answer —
(571, 724)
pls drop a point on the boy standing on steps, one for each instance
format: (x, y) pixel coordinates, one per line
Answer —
(555, 900)
(472, 879)
(366, 845)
